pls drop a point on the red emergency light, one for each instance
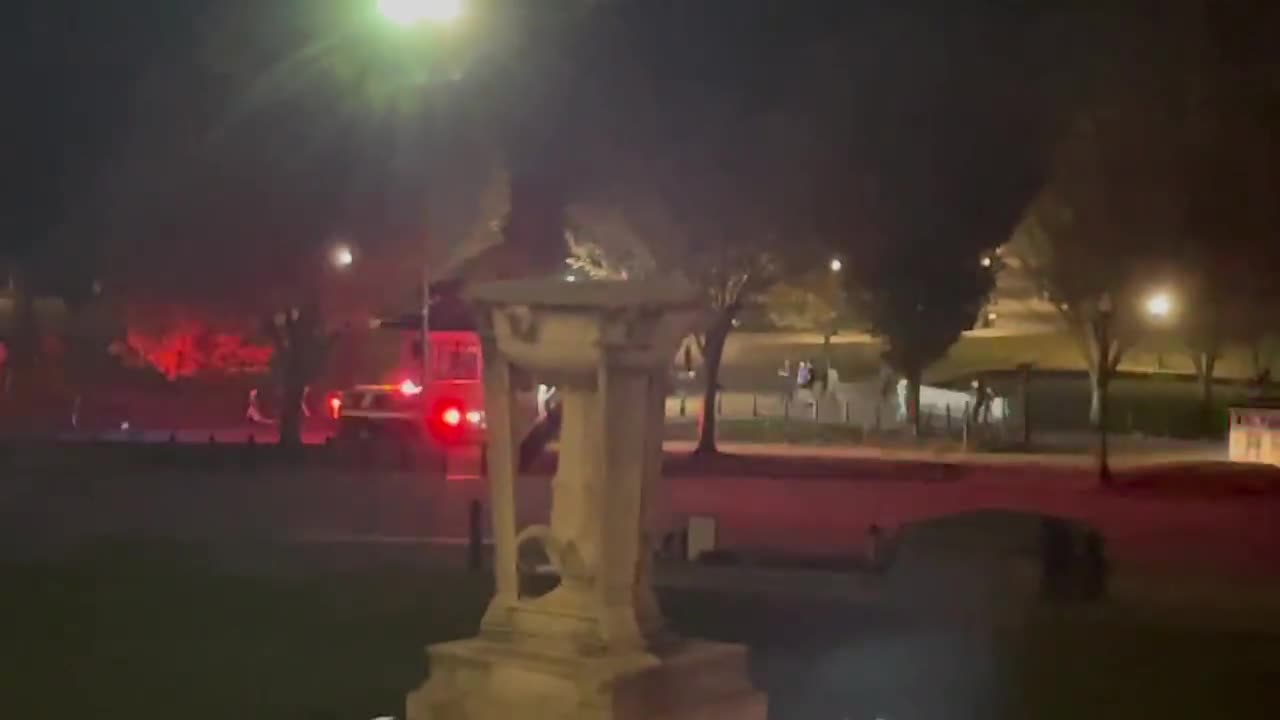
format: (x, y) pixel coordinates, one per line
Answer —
(451, 422)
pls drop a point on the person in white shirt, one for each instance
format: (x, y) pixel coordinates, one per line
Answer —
(253, 413)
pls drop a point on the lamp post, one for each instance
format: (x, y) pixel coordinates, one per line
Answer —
(1105, 316)
(836, 266)
(407, 14)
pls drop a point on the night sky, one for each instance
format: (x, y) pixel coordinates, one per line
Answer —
(144, 134)
(76, 63)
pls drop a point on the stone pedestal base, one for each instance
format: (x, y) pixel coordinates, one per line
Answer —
(484, 680)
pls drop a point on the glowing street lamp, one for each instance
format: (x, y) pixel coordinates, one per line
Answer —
(1159, 305)
(836, 265)
(342, 257)
(407, 13)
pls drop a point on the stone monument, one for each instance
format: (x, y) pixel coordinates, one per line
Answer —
(594, 646)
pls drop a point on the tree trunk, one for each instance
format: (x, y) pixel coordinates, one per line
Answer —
(22, 365)
(1095, 396)
(1024, 391)
(913, 401)
(300, 347)
(292, 389)
(826, 351)
(1102, 367)
(1102, 355)
(291, 414)
(1207, 365)
(712, 353)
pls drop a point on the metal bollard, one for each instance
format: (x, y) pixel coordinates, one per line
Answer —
(249, 455)
(168, 453)
(755, 406)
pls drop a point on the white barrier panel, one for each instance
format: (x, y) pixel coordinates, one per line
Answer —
(939, 401)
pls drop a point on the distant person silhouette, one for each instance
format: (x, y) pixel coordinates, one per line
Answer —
(253, 413)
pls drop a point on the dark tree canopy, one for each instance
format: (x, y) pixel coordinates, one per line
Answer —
(936, 150)
(73, 66)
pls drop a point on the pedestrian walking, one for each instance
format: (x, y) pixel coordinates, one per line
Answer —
(253, 413)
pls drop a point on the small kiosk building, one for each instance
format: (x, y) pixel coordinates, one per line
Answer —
(1254, 434)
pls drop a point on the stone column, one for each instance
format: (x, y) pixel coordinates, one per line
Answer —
(502, 461)
(594, 646)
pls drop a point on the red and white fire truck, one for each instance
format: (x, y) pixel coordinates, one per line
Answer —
(448, 408)
(445, 411)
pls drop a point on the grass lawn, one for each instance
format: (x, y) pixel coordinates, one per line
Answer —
(1157, 405)
(1156, 394)
(1112, 666)
(143, 632)
(752, 359)
(155, 631)
(1058, 351)
(770, 430)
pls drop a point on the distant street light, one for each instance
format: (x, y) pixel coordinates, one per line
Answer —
(417, 12)
(1159, 305)
(342, 257)
(836, 265)
(986, 261)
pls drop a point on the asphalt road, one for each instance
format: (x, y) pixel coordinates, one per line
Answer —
(808, 504)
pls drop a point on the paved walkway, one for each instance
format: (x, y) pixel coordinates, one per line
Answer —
(1133, 456)
(794, 499)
